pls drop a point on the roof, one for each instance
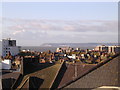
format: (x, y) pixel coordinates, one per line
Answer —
(70, 74)
(10, 74)
(76, 75)
(8, 78)
(107, 74)
(47, 75)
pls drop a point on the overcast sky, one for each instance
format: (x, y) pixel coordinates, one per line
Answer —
(71, 22)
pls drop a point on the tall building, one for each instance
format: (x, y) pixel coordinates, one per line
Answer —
(9, 46)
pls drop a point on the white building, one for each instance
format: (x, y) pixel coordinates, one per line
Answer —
(113, 49)
(72, 57)
(101, 48)
(64, 49)
(109, 49)
(9, 45)
(6, 64)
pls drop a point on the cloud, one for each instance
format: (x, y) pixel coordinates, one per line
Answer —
(16, 32)
(55, 25)
(43, 30)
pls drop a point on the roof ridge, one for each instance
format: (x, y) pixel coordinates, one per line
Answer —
(92, 69)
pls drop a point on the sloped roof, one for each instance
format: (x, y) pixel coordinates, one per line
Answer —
(106, 75)
(70, 74)
(9, 78)
(48, 76)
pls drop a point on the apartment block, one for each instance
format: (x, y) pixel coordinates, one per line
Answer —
(9, 46)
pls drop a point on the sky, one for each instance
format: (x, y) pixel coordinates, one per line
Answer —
(35, 23)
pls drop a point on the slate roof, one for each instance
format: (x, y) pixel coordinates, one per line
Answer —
(107, 74)
(69, 75)
(46, 76)
(76, 75)
(9, 78)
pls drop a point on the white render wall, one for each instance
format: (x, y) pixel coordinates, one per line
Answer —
(6, 64)
(14, 50)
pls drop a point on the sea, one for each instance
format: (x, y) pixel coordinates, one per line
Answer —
(53, 47)
(43, 49)
(38, 48)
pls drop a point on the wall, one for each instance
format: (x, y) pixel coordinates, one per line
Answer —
(6, 64)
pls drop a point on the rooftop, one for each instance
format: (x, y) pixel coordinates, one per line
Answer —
(75, 75)
(105, 75)
(46, 75)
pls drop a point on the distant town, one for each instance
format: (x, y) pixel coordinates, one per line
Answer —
(68, 54)
(24, 62)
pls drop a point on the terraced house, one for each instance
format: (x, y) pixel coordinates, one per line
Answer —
(61, 74)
